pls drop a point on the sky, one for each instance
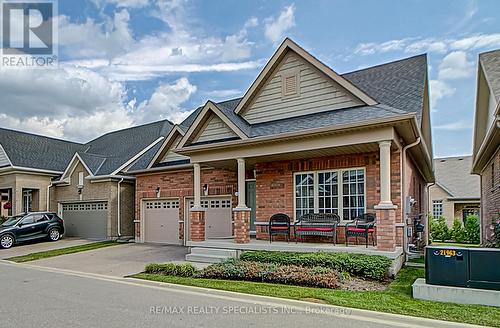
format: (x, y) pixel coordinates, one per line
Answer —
(129, 62)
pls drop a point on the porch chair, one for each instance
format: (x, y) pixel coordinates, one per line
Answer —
(361, 227)
(279, 224)
(317, 224)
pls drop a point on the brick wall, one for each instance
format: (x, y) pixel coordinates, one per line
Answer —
(490, 195)
(274, 183)
(179, 184)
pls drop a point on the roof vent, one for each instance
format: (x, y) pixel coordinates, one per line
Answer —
(290, 84)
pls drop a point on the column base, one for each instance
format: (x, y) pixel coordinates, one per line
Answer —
(197, 225)
(386, 227)
(241, 218)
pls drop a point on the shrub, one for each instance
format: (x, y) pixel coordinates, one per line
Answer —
(494, 240)
(457, 231)
(471, 228)
(2, 219)
(268, 272)
(171, 269)
(438, 229)
(368, 266)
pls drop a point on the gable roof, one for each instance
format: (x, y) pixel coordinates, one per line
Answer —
(101, 156)
(453, 175)
(289, 45)
(490, 61)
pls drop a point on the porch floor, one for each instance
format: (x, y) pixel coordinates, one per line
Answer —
(283, 246)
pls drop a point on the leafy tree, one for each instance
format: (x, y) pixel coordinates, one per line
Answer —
(471, 227)
(457, 231)
(438, 229)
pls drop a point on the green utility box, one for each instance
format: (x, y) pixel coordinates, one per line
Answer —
(463, 267)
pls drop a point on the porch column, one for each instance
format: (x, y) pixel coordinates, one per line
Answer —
(197, 214)
(241, 213)
(385, 210)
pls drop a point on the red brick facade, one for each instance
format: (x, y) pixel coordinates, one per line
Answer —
(179, 184)
(490, 195)
(241, 226)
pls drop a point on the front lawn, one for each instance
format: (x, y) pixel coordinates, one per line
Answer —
(395, 299)
(434, 243)
(61, 251)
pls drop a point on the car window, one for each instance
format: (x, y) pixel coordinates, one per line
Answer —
(27, 220)
(39, 218)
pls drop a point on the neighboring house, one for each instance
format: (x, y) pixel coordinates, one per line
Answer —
(302, 139)
(84, 183)
(456, 192)
(486, 145)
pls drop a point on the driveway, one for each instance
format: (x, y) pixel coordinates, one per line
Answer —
(118, 261)
(43, 246)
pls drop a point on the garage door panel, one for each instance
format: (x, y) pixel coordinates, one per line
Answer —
(86, 220)
(161, 220)
(218, 217)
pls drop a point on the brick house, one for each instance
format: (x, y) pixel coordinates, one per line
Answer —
(486, 143)
(302, 139)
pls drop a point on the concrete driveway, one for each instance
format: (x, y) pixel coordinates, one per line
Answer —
(41, 246)
(121, 260)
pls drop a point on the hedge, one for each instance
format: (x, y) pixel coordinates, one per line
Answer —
(233, 269)
(171, 269)
(367, 266)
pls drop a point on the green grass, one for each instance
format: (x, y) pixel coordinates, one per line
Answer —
(420, 259)
(396, 299)
(61, 251)
(454, 244)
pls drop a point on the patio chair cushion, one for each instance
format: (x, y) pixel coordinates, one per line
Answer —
(279, 228)
(314, 229)
(360, 230)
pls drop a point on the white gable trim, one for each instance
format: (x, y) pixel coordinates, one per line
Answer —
(6, 155)
(288, 44)
(171, 135)
(210, 107)
(133, 159)
(72, 165)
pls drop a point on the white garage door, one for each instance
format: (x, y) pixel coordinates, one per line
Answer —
(218, 217)
(86, 220)
(161, 221)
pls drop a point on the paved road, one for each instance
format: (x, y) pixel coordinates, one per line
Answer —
(42, 297)
(119, 261)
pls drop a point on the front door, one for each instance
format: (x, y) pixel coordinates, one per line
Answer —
(251, 203)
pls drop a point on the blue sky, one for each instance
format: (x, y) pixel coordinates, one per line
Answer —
(127, 62)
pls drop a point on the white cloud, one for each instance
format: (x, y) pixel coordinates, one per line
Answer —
(372, 47)
(454, 126)
(455, 66)
(275, 28)
(223, 94)
(124, 3)
(438, 90)
(165, 102)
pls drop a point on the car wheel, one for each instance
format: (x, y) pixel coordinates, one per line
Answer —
(54, 234)
(7, 241)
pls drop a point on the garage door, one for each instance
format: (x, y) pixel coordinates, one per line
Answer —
(218, 217)
(86, 220)
(161, 221)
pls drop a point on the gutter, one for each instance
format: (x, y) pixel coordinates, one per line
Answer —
(119, 212)
(110, 176)
(403, 200)
(164, 168)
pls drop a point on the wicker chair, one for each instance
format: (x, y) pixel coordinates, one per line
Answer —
(361, 227)
(318, 224)
(279, 224)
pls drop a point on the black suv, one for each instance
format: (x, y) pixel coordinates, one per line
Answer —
(30, 226)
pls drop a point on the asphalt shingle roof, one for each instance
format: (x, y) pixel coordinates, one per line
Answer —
(491, 67)
(453, 174)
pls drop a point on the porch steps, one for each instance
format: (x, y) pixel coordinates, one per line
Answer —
(210, 255)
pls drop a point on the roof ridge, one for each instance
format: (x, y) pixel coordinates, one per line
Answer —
(129, 128)
(41, 136)
(383, 64)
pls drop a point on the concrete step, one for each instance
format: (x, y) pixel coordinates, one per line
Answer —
(213, 251)
(210, 255)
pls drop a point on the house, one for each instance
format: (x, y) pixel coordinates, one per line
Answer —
(302, 139)
(83, 183)
(486, 138)
(456, 193)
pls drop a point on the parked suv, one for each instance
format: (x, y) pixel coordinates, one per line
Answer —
(30, 226)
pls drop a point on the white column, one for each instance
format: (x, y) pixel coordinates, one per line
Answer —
(197, 186)
(385, 173)
(241, 184)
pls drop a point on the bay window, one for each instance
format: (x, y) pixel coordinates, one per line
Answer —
(334, 191)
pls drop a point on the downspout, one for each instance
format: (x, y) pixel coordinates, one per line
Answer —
(48, 196)
(403, 200)
(429, 208)
(119, 209)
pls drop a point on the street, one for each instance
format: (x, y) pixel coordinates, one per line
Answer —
(42, 297)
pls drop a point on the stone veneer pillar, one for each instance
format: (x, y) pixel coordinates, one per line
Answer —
(241, 219)
(197, 225)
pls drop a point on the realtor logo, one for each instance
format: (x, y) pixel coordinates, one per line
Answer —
(29, 33)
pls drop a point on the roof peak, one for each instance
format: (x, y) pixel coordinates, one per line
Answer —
(129, 128)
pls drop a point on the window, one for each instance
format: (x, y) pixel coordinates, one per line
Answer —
(437, 208)
(324, 192)
(80, 178)
(304, 194)
(39, 218)
(492, 175)
(27, 201)
(27, 220)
